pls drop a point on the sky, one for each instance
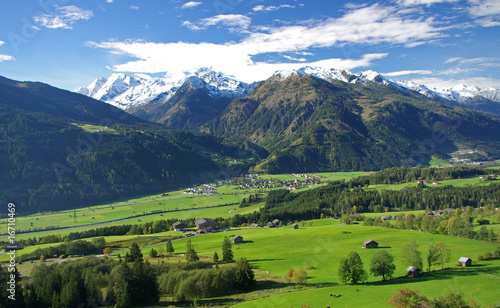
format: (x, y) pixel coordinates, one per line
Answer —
(69, 43)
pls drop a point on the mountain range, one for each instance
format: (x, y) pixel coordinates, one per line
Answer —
(142, 94)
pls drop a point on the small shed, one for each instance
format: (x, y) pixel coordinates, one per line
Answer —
(413, 272)
(237, 239)
(369, 243)
(180, 226)
(276, 222)
(385, 218)
(254, 225)
(465, 261)
(295, 226)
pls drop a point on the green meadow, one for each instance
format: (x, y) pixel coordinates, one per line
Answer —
(318, 246)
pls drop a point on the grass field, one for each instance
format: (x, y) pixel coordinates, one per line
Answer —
(319, 247)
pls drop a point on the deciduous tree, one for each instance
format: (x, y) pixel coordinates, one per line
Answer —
(351, 269)
(382, 264)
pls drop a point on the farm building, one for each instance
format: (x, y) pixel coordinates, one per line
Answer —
(412, 272)
(254, 225)
(180, 226)
(369, 243)
(465, 261)
(204, 224)
(295, 226)
(385, 218)
(13, 246)
(276, 222)
(271, 225)
(237, 239)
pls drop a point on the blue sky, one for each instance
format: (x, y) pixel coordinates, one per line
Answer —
(69, 43)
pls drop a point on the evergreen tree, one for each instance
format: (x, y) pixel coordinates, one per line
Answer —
(191, 254)
(170, 247)
(244, 277)
(153, 253)
(135, 253)
(215, 257)
(227, 252)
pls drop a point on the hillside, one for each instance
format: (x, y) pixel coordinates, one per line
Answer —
(61, 150)
(313, 124)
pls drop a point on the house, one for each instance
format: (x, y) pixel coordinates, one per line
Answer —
(465, 261)
(412, 272)
(204, 224)
(276, 222)
(435, 183)
(429, 214)
(254, 225)
(385, 218)
(271, 225)
(439, 212)
(237, 239)
(449, 210)
(295, 226)
(180, 226)
(369, 243)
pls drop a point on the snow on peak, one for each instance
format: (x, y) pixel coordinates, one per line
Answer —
(125, 91)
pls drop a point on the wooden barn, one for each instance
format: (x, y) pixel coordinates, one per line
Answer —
(465, 261)
(237, 239)
(180, 226)
(369, 243)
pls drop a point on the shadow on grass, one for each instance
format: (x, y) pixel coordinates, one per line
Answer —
(445, 274)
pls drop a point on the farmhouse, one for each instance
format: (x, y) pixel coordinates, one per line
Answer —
(276, 222)
(295, 226)
(180, 226)
(385, 218)
(271, 225)
(465, 261)
(412, 272)
(204, 225)
(237, 239)
(369, 243)
(254, 225)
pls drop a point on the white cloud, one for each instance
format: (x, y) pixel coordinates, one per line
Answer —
(480, 8)
(134, 7)
(1, 43)
(6, 58)
(295, 59)
(233, 59)
(190, 5)
(367, 25)
(422, 2)
(262, 8)
(109, 1)
(233, 21)
(64, 17)
(408, 72)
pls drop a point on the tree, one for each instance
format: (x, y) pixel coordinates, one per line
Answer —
(408, 298)
(382, 264)
(170, 247)
(351, 269)
(451, 300)
(215, 257)
(441, 254)
(153, 253)
(99, 243)
(135, 253)
(244, 277)
(191, 254)
(107, 250)
(411, 256)
(299, 276)
(431, 257)
(227, 252)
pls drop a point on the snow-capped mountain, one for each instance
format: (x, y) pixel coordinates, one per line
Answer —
(126, 92)
(458, 95)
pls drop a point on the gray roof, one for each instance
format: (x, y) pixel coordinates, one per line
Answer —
(175, 224)
(204, 220)
(369, 241)
(463, 259)
(236, 236)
